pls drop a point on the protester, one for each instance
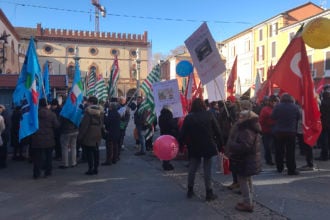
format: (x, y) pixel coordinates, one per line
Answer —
(14, 135)
(81, 151)
(286, 115)
(90, 133)
(234, 109)
(140, 122)
(243, 148)
(5, 135)
(112, 126)
(201, 132)
(267, 123)
(56, 108)
(43, 141)
(2, 129)
(305, 149)
(149, 136)
(69, 134)
(325, 119)
(125, 114)
(168, 126)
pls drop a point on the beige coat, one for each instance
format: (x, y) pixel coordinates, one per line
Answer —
(90, 128)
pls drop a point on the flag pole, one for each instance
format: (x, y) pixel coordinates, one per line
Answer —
(43, 88)
(221, 96)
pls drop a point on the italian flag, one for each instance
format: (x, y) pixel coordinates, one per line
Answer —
(76, 91)
(32, 85)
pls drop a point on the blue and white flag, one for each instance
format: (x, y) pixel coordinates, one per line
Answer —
(72, 108)
(27, 91)
(45, 93)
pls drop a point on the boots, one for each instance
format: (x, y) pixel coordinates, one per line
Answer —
(210, 196)
(190, 192)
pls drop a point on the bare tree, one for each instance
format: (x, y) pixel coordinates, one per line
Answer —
(156, 57)
(179, 50)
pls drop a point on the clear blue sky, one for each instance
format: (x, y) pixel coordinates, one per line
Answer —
(225, 18)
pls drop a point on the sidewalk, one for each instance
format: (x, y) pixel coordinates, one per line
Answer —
(137, 188)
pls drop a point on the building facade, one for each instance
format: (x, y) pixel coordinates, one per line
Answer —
(97, 52)
(262, 45)
(10, 46)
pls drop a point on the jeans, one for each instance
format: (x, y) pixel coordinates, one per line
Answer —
(194, 165)
(308, 151)
(325, 146)
(69, 141)
(246, 187)
(267, 140)
(285, 144)
(92, 154)
(112, 151)
(142, 138)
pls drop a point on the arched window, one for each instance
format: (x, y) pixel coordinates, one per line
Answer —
(70, 71)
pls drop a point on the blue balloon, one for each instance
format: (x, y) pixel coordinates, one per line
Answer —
(184, 68)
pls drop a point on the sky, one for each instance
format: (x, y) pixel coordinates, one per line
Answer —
(168, 23)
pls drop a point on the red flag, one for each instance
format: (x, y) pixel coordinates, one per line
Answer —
(198, 92)
(292, 75)
(184, 104)
(269, 83)
(266, 87)
(232, 78)
(320, 85)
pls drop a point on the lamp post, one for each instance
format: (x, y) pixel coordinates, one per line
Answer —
(138, 68)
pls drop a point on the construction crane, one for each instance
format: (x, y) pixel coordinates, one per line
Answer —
(98, 8)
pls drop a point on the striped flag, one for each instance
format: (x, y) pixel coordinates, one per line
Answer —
(101, 89)
(91, 80)
(114, 76)
(148, 103)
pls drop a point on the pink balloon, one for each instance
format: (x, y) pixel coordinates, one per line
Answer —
(166, 147)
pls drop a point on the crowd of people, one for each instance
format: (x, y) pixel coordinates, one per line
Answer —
(239, 129)
(58, 138)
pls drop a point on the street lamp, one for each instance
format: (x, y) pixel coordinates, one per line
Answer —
(138, 68)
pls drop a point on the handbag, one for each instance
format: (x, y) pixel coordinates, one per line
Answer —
(224, 164)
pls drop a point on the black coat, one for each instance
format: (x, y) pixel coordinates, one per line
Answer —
(167, 124)
(112, 125)
(201, 132)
